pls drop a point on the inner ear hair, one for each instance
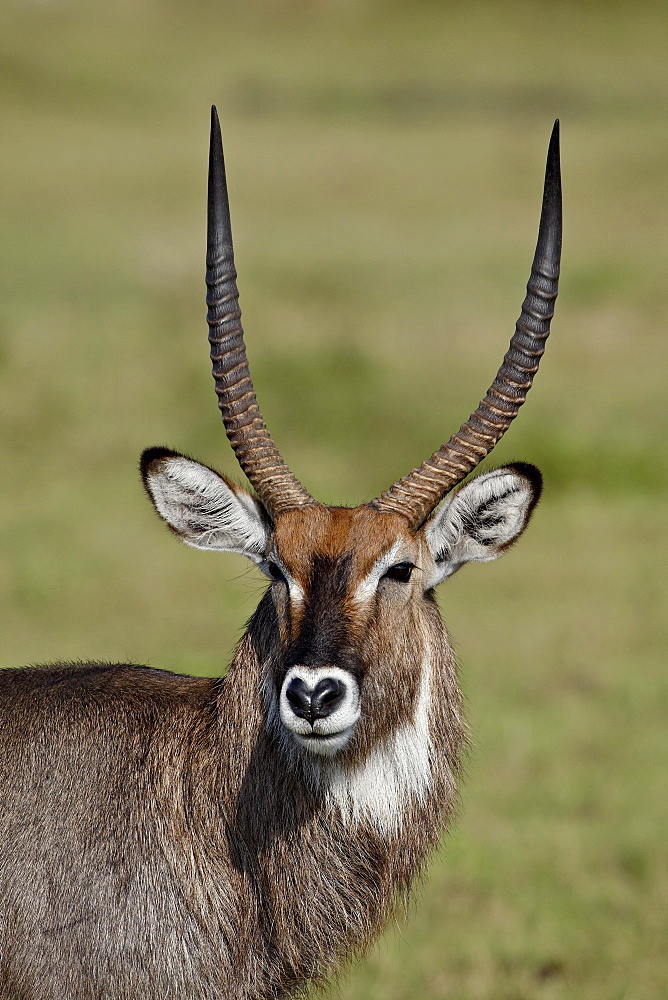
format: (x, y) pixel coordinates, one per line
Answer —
(202, 507)
(483, 518)
(534, 488)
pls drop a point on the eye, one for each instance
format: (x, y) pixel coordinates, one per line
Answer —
(401, 572)
(274, 572)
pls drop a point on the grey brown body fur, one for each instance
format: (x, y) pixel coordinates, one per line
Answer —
(163, 846)
(172, 838)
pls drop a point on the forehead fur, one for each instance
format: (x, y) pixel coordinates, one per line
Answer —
(333, 532)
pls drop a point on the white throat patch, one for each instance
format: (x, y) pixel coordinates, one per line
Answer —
(395, 773)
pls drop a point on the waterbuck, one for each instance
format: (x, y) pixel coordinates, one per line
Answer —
(176, 838)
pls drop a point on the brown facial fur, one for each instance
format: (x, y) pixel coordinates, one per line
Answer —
(329, 551)
(335, 531)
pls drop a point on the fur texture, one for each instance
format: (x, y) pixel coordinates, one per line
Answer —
(160, 840)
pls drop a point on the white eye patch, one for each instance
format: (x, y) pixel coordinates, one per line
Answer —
(295, 589)
(368, 586)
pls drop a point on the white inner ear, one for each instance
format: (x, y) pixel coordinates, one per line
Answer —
(480, 521)
(207, 511)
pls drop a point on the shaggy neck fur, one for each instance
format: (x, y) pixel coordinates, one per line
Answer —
(321, 851)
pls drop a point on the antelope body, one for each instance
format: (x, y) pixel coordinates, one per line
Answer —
(175, 837)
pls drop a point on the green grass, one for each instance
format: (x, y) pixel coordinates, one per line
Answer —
(385, 164)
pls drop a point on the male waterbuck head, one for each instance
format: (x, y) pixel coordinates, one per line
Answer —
(166, 837)
(352, 589)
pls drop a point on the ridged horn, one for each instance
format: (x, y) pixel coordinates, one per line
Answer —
(416, 495)
(256, 453)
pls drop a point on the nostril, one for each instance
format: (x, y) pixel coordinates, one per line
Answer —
(328, 695)
(299, 696)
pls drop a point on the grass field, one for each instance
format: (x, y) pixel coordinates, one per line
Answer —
(385, 166)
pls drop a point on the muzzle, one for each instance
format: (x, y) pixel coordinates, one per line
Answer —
(320, 706)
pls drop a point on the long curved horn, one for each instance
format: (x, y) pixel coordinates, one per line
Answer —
(416, 495)
(256, 453)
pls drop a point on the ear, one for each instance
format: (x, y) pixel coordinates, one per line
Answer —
(484, 518)
(203, 508)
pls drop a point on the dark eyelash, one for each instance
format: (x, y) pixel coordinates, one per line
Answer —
(401, 572)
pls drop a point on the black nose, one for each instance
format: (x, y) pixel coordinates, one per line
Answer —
(315, 703)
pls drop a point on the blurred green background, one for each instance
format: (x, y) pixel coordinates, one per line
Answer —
(385, 166)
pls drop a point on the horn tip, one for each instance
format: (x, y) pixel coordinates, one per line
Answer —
(215, 123)
(553, 169)
(218, 225)
(553, 148)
